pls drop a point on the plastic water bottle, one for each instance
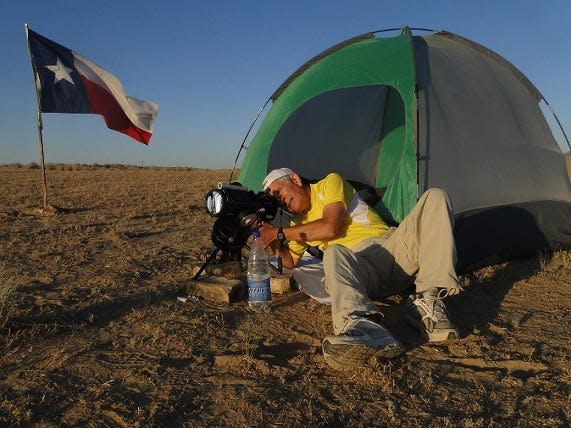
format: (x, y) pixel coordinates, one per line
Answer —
(259, 293)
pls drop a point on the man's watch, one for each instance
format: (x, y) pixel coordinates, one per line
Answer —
(281, 235)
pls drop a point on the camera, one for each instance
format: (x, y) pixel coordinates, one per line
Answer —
(238, 211)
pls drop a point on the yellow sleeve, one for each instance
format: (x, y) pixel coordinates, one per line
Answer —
(334, 189)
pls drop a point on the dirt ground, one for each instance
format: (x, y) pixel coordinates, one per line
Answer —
(97, 337)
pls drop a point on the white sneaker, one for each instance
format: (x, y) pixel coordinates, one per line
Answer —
(360, 340)
(430, 315)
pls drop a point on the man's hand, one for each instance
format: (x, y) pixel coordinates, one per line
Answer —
(269, 237)
(268, 234)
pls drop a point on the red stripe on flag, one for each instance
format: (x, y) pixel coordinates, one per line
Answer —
(103, 103)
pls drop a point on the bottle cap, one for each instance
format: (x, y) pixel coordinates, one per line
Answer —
(256, 234)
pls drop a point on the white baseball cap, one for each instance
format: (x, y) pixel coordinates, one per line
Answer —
(274, 175)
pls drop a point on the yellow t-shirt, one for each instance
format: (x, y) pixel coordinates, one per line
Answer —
(360, 222)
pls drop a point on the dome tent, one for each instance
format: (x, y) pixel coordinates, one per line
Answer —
(403, 114)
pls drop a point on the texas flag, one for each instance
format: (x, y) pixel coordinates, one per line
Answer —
(70, 83)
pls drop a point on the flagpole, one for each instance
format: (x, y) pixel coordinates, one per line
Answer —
(41, 143)
(39, 120)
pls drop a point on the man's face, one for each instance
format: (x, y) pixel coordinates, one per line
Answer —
(292, 196)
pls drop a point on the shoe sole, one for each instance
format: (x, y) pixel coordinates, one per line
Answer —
(441, 335)
(345, 357)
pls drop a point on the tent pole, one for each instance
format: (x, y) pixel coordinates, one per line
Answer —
(558, 123)
(39, 120)
(246, 137)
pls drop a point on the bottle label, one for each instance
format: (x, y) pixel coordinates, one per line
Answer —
(259, 291)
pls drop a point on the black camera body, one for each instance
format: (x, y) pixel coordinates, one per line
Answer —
(238, 212)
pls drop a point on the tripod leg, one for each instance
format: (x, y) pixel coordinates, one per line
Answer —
(209, 259)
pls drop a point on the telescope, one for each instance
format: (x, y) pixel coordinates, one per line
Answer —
(238, 212)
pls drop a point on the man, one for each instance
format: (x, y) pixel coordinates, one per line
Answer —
(365, 259)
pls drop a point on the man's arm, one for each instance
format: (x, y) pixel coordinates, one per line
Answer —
(323, 229)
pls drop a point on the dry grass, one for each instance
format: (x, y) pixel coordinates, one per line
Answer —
(7, 291)
(91, 167)
(96, 336)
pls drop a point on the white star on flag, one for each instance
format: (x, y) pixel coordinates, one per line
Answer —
(60, 72)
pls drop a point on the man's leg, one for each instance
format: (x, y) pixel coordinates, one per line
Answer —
(348, 279)
(424, 244)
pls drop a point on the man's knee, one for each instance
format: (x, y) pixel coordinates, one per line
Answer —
(436, 195)
(436, 192)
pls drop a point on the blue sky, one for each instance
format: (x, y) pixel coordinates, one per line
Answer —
(211, 65)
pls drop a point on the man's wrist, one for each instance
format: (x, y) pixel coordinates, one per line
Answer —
(281, 235)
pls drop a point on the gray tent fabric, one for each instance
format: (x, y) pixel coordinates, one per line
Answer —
(483, 138)
(480, 123)
(316, 138)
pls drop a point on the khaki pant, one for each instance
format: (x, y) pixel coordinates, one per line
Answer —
(420, 250)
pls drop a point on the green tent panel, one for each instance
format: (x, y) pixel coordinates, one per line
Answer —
(384, 63)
